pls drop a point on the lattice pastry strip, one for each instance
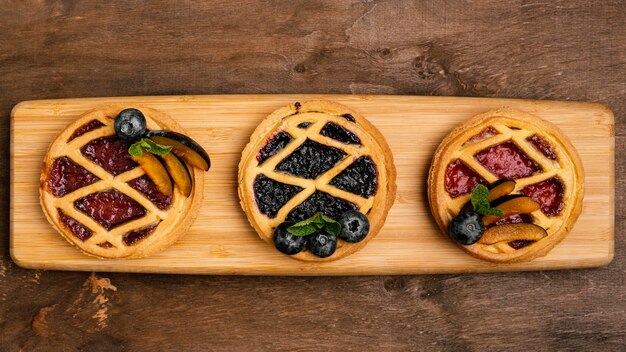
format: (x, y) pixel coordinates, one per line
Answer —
(316, 116)
(169, 224)
(514, 126)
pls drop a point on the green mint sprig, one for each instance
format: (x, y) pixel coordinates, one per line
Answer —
(480, 202)
(319, 221)
(149, 146)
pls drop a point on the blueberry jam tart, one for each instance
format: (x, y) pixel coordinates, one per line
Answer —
(316, 180)
(506, 186)
(122, 182)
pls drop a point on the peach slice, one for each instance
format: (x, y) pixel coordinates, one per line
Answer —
(501, 188)
(516, 205)
(179, 173)
(184, 147)
(513, 232)
(156, 171)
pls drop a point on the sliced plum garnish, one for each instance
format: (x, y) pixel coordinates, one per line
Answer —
(548, 194)
(507, 160)
(461, 179)
(66, 176)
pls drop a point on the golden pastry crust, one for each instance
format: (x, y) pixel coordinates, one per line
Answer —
(376, 207)
(567, 167)
(173, 222)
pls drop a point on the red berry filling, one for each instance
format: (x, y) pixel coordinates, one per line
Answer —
(146, 186)
(135, 236)
(110, 153)
(460, 179)
(542, 146)
(88, 127)
(110, 208)
(484, 134)
(66, 176)
(548, 194)
(76, 228)
(506, 160)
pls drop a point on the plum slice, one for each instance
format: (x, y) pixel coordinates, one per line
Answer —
(178, 172)
(156, 171)
(517, 205)
(513, 232)
(184, 147)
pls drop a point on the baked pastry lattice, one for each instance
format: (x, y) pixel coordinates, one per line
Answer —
(101, 201)
(316, 156)
(507, 143)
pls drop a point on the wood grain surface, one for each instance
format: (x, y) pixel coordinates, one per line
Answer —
(221, 241)
(560, 50)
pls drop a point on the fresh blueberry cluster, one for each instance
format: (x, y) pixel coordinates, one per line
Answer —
(354, 228)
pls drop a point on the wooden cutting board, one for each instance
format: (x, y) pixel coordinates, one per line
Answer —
(222, 242)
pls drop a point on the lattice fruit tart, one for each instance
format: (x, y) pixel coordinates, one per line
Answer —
(317, 180)
(106, 184)
(507, 186)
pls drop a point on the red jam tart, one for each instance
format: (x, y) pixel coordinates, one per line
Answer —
(103, 201)
(544, 177)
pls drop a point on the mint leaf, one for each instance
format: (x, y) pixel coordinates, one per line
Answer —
(316, 222)
(135, 150)
(149, 146)
(480, 202)
(332, 228)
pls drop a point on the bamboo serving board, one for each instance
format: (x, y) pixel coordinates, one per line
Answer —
(222, 242)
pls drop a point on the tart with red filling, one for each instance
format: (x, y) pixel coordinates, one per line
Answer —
(316, 180)
(506, 185)
(122, 183)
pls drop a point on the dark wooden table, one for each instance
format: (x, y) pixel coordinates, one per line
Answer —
(518, 49)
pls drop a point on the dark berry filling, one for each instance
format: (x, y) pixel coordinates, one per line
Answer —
(110, 153)
(320, 202)
(506, 160)
(336, 132)
(110, 208)
(548, 194)
(145, 185)
(76, 228)
(460, 179)
(88, 127)
(310, 160)
(304, 125)
(514, 219)
(348, 117)
(135, 236)
(274, 144)
(105, 244)
(542, 146)
(358, 178)
(518, 244)
(66, 176)
(484, 134)
(272, 195)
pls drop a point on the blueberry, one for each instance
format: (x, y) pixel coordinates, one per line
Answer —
(354, 226)
(322, 244)
(130, 124)
(467, 228)
(286, 242)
